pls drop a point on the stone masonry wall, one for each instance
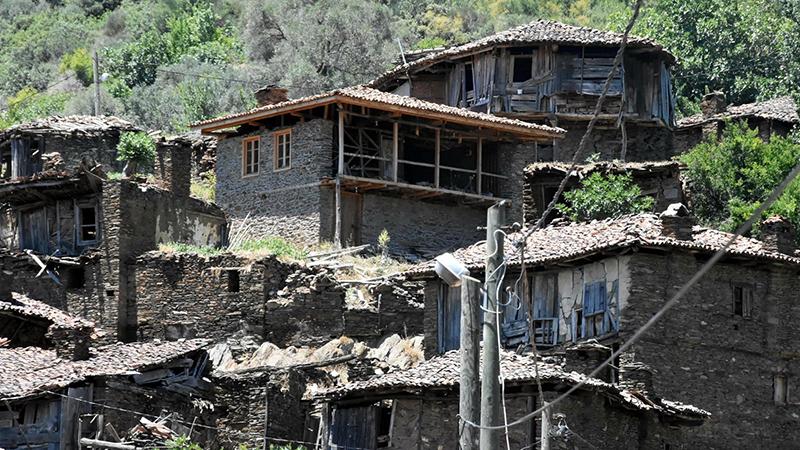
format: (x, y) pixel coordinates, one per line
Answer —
(101, 148)
(700, 353)
(645, 143)
(284, 203)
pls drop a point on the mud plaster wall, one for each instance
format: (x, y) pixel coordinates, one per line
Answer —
(700, 353)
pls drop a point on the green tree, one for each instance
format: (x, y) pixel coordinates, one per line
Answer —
(604, 196)
(730, 177)
(28, 104)
(136, 149)
(79, 62)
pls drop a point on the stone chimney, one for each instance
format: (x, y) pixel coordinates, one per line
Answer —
(713, 103)
(71, 343)
(269, 95)
(635, 376)
(778, 235)
(584, 357)
(677, 222)
(174, 166)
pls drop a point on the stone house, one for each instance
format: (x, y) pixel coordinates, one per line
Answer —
(552, 73)
(727, 347)
(418, 409)
(775, 117)
(81, 229)
(57, 388)
(344, 165)
(67, 141)
(660, 180)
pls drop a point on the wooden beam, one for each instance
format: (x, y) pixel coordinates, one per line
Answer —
(479, 165)
(437, 157)
(395, 148)
(341, 142)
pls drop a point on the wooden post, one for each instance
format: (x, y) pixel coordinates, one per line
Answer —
(480, 164)
(96, 76)
(437, 156)
(545, 432)
(469, 390)
(395, 148)
(490, 382)
(324, 425)
(337, 234)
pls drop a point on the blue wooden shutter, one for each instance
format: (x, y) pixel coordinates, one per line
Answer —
(588, 299)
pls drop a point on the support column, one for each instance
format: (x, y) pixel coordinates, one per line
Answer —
(337, 234)
(395, 149)
(480, 165)
(437, 157)
(469, 386)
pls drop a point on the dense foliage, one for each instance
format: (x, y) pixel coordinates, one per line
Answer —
(730, 177)
(136, 147)
(604, 196)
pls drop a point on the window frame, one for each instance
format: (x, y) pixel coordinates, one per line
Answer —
(79, 226)
(747, 297)
(514, 59)
(255, 166)
(780, 398)
(276, 149)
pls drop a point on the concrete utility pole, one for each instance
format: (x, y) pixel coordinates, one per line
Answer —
(469, 389)
(490, 383)
(96, 76)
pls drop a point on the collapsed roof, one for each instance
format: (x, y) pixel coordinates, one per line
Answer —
(22, 306)
(373, 98)
(71, 125)
(581, 170)
(572, 241)
(782, 109)
(537, 32)
(443, 372)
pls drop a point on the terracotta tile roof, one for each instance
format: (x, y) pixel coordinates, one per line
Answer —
(443, 372)
(23, 306)
(782, 109)
(377, 97)
(540, 31)
(557, 243)
(72, 125)
(25, 371)
(603, 166)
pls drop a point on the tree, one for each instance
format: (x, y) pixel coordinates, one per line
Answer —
(730, 177)
(604, 196)
(135, 148)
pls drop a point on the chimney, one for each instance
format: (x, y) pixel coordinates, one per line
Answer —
(778, 235)
(269, 95)
(713, 103)
(584, 357)
(677, 222)
(174, 166)
(71, 343)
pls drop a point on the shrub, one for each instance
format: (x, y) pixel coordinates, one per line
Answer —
(136, 148)
(601, 197)
(80, 62)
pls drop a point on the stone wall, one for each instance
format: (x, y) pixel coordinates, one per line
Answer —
(101, 148)
(645, 143)
(284, 203)
(700, 353)
(186, 295)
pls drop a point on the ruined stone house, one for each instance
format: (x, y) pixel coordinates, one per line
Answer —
(418, 409)
(727, 347)
(775, 117)
(349, 163)
(68, 233)
(58, 388)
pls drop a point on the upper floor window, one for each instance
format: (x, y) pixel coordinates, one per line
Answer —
(743, 300)
(780, 391)
(522, 68)
(283, 150)
(86, 223)
(596, 318)
(250, 155)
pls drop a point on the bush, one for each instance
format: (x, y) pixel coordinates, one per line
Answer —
(602, 197)
(136, 148)
(730, 177)
(80, 62)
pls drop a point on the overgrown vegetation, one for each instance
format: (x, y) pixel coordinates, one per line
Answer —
(275, 246)
(137, 150)
(730, 177)
(604, 196)
(204, 188)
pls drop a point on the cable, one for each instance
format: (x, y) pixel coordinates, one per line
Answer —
(777, 192)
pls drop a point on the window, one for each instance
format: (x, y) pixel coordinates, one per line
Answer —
(523, 69)
(74, 277)
(283, 150)
(743, 300)
(233, 281)
(596, 320)
(780, 391)
(86, 221)
(544, 292)
(250, 156)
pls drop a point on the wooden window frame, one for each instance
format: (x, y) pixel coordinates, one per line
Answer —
(257, 165)
(514, 66)
(276, 150)
(747, 300)
(79, 225)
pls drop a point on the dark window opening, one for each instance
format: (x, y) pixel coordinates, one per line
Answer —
(523, 68)
(742, 301)
(110, 293)
(75, 277)
(469, 82)
(233, 281)
(384, 420)
(87, 224)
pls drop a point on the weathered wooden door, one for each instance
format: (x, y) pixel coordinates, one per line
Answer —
(354, 428)
(34, 234)
(449, 318)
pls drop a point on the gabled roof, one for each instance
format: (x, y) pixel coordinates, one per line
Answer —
(21, 305)
(373, 98)
(782, 109)
(559, 243)
(537, 32)
(85, 125)
(29, 370)
(443, 372)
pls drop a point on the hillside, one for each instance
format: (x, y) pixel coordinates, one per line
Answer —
(166, 63)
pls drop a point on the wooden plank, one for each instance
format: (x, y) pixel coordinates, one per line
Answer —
(479, 164)
(437, 157)
(395, 148)
(341, 142)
